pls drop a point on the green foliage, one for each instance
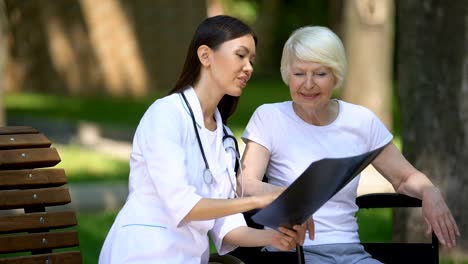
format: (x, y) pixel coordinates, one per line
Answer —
(375, 225)
(255, 94)
(86, 165)
(103, 110)
(92, 231)
(246, 10)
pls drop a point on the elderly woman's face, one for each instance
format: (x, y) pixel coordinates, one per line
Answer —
(311, 84)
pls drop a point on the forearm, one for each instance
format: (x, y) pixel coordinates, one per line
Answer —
(414, 185)
(207, 209)
(403, 176)
(249, 237)
(256, 187)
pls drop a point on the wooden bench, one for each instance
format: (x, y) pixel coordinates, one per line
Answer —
(31, 230)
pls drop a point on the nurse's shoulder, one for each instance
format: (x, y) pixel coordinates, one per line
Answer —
(166, 109)
(163, 117)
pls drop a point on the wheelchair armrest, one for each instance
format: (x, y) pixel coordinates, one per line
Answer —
(400, 252)
(387, 200)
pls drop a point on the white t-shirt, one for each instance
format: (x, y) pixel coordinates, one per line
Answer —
(294, 144)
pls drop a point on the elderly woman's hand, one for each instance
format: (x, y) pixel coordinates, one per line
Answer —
(310, 226)
(439, 218)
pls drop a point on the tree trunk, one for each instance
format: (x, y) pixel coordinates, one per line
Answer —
(368, 38)
(265, 25)
(107, 47)
(3, 48)
(433, 93)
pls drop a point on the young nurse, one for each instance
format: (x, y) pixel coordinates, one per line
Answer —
(182, 173)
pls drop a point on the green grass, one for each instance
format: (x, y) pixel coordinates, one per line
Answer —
(101, 110)
(127, 112)
(92, 230)
(375, 225)
(86, 165)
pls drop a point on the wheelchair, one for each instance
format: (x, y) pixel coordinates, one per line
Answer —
(386, 252)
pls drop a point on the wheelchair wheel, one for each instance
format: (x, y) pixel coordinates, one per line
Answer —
(225, 259)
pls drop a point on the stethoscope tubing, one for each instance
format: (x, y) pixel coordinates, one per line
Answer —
(207, 166)
(200, 145)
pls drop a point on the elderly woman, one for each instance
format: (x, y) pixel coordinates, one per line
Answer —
(282, 139)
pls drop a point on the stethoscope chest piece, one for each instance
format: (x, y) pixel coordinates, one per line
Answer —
(207, 176)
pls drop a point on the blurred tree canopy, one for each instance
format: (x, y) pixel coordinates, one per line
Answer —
(131, 48)
(107, 47)
(275, 20)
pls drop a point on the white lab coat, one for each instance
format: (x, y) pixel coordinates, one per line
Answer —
(166, 181)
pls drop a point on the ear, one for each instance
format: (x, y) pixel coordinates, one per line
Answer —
(204, 55)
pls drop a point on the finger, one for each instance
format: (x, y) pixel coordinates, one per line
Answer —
(454, 224)
(452, 229)
(429, 228)
(311, 228)
(287, 242)
(300, 234)
(438, 231)
(281, 243)
(447, 232)
(287, 231)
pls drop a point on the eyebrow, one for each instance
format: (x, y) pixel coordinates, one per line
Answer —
(321, 68)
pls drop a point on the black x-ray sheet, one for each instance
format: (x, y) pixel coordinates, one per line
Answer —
(313, 188)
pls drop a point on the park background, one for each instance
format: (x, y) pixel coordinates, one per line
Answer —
(83, 72)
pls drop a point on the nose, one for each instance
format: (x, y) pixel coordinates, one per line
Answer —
(309, 82)
(248, 68)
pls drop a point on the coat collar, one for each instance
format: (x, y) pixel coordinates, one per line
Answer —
(216, 164)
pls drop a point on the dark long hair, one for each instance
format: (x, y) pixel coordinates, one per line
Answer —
(212, 32)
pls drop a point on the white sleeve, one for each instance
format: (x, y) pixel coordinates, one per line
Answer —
(259, 128)
(379, 134)
(160, 138)
(223, 226)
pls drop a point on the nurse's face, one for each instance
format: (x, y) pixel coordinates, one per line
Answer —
(232, 64)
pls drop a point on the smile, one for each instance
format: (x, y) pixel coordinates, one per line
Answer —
(310, 96)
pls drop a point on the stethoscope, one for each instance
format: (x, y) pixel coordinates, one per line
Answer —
(207, 175)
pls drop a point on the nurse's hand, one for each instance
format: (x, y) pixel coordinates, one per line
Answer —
(287, 239)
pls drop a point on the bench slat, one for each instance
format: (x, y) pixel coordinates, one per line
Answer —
(14, 199)
(24, 141)
(22, 179)
(17, 130)
(38, 241)
(28, 158)
(36, 233)
(72, 257)
(37, 221)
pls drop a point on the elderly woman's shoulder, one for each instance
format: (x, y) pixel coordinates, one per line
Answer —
(355, 109)
(274, 107)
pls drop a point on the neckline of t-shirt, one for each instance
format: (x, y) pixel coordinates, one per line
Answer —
(299, 119)
(211, 133)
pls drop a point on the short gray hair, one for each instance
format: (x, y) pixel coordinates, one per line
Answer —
(317, 44)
